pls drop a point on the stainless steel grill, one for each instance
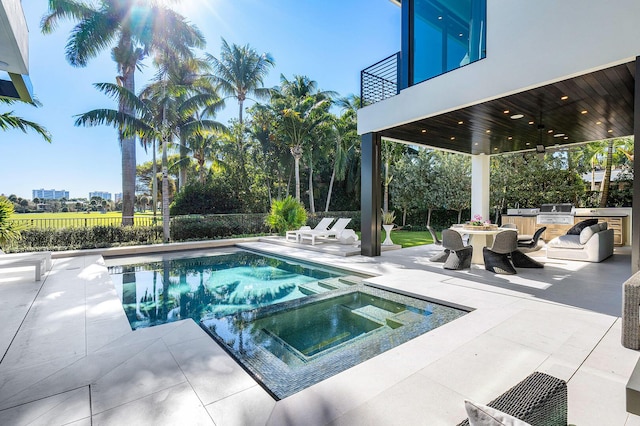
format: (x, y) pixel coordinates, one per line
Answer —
(560, 214)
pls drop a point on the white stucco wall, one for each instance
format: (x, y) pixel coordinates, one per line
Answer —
(14, 37)
(529, 44)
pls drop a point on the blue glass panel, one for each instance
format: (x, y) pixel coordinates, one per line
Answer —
(447, 34)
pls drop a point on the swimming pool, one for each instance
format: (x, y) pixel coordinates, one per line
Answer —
(290, 324)
(164, 290)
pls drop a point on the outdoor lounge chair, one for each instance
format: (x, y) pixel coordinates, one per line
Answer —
(335, 231)
(40, 260)
(323, 225)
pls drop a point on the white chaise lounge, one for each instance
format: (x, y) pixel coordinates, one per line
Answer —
(335, 232)
(323, 225)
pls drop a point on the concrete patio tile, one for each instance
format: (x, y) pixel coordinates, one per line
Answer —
(213, 374)
(251, 407)
(148, 371)
(175, 405)
(596, 399)
(14, 382)
(39, 345)
(144, 334)
(610, 357)
(28, 384)
(186, 330)
(485, 367)
(101, 332)
(632, 420)
(438, 405)
(61, 409)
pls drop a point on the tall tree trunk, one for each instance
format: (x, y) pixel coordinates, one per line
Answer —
(165, 196)
(182, 177)
(154, 183)
(429, 216)
(385, 205)
(333, 176)
(459, 215)
(128, 156)
(593, 175)
(296, 151)
(404, 217)
(312, 205)
(606, 179)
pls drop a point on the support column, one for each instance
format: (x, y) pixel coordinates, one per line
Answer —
(635, 212)
(371, 186)
(480, 168)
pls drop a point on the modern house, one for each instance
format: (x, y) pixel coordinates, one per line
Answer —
(485, 77)
(14, 52)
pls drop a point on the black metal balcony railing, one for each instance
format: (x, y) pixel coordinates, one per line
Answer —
(380, 81)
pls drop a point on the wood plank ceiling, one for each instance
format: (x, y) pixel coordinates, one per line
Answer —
(590, 107)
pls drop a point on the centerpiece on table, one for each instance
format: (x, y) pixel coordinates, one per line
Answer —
(478, 224)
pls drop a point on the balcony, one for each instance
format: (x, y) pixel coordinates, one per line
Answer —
(380, 81)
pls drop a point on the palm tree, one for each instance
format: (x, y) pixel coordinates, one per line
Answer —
(240, 72)
(10, 121)
(133, 28)
(299, 109)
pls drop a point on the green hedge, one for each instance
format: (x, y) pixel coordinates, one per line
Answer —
(205, 227)
(39, 239)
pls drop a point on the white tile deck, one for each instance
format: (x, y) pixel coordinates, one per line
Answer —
(69, 356)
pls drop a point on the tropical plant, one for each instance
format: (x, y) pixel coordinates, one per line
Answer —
(10, 121)
(388, 217)
(133, 28)
(286, 214)
(9, 230)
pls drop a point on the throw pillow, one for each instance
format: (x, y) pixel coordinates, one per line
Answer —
(578, 227)
(588, 233)
(481, 415)
(603, 226)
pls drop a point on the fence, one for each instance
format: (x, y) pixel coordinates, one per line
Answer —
(73, 222)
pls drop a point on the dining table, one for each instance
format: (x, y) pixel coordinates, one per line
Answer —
(478, 239)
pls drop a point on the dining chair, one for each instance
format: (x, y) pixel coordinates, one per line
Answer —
(459, 255)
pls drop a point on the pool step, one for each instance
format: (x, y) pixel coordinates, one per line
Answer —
(329, 284)
(351, 280)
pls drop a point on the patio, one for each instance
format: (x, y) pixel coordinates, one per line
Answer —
(69, 356)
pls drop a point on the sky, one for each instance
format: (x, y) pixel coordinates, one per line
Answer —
(330, 41)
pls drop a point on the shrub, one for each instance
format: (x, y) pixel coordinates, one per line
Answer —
(9, 231)
(210, 198)
(202, 227)
(286, 214)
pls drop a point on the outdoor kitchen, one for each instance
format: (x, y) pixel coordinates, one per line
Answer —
(558, 218)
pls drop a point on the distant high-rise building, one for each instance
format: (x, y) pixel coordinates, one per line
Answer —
(49, 194)
(102, 194)
(118, 197)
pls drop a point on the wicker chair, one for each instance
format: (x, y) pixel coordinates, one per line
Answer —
(540, 400)
(497, 259)
(459, 255)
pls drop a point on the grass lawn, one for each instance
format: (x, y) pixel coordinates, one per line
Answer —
(410, 238)
(75, 219)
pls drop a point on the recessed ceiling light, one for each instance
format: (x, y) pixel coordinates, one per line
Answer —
(460, 122)
(510, 137)
(584, 111)
(495, 149)
(565, 138)
(550, 131)
(453, 138)
(488, 131)
(476, 144)
(564, 98)
(610, 131)
(531, 122)
(517, 116)
(506, 111)
(558, 135)
(598, 122)
(528, 143)
(424, 130)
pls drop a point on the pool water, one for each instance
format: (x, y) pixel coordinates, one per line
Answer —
(162, 291)
(291, 346)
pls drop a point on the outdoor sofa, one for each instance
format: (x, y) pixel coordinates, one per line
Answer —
(594, 243)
